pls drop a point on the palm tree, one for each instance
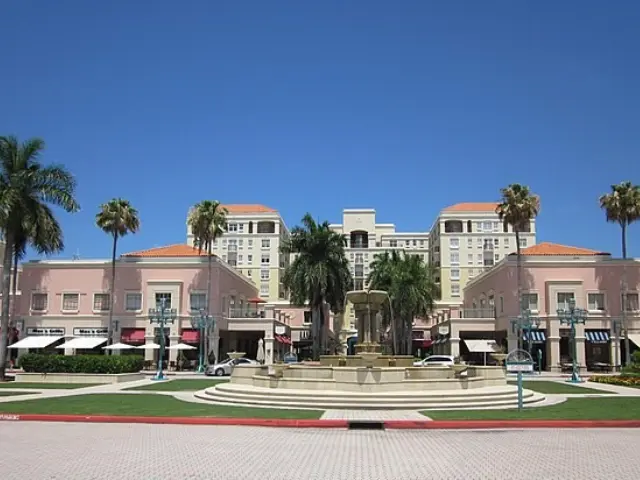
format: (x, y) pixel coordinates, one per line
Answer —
(622, 206)
(27, 191)
(319, 275)
(116, 218)
(517, 208)
(207, 221)
(412, 290)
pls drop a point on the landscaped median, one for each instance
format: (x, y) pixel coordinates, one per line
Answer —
(632, 381)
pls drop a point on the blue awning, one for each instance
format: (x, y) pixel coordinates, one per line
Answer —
(597, 336)
(537, 336)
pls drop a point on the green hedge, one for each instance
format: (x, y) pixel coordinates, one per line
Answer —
(38, 363)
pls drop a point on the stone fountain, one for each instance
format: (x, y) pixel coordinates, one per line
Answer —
(368, 379)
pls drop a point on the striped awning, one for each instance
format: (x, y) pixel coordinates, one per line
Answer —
(597, 336)
(537, 336)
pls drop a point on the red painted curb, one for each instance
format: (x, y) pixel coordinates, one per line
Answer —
(507, 424)
(292, 423)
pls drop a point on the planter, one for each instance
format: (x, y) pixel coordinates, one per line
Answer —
(276, 370)
(235, 355)
(369, 357)
(458, 368)
(499, 357)
(97, 378)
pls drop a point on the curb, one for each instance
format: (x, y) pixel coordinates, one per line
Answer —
(344, 424)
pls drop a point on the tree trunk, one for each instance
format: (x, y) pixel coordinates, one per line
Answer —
(518, 282)
(394, 335)
(209, 331)
(6, 291)
(112, 293)
(409, 336)
(14, 290)
(627, 345)
(315, 330)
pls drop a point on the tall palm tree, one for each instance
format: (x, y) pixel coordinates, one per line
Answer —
(622, 206)
(116, 218)
(518, 207)
(319, 275)
(207, 221)
(412, 290)
(28, 189)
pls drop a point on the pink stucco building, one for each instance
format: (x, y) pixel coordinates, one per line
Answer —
(552, 275)
(62, 300)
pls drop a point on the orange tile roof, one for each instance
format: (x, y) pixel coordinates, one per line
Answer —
(238, 208)
(472, 207)
(547, 248)
(180, 250)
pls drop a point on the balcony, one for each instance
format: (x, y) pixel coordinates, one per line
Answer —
(478, 313)
(233, 248)
(245, 313)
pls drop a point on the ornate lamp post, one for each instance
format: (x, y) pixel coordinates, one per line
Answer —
(525, 322)
(573, 316)
(616, 326)
(162, 316)
(203, 323)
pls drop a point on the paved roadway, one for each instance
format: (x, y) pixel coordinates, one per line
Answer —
(40, 451)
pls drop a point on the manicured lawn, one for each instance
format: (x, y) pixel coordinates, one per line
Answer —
(185, 384)
(621, 408)
(556, 387)
(151, 405)
(11, 394)
(47, 386)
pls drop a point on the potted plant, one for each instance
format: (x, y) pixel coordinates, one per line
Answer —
(500, 354)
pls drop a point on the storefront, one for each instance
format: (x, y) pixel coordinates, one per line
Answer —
(85, 341)
(39, 339)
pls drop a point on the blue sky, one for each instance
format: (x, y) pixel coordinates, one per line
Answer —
(406, 107)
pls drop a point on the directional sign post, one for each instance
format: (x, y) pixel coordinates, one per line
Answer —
(519, 361)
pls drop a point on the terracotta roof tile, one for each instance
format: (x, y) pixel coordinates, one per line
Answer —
(238, 208)
(180, 250)
(472, 207)
(547, 248)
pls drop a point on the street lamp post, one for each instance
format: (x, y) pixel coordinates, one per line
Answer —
(573, 316)
(162, 316)
(525, 322)
(616, 326)
(203, 323)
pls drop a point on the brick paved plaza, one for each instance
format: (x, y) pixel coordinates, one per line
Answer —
(39, 451)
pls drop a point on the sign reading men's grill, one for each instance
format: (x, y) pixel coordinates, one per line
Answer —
(46, 332)
(90, 332)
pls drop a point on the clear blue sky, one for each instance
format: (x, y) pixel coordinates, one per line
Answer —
(406, 107)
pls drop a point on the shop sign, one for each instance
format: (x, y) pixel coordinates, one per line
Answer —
(90, 332)
(46, 332)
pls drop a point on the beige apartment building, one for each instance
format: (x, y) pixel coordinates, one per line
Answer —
(252, 244)
(365, 239)
(467, 239)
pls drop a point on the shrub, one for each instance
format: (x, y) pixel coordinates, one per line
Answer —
(39, 363)
(621, 380)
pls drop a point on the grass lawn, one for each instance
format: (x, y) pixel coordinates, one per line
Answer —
(609, 408)
(11, 394)
(556, 387)
(185, 384)
(47, 386)
(150, 405)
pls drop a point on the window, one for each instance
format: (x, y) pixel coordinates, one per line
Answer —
(393, 243)
(249, 259)
(70, 302)
(266, 243)
(470, 259)
(496, 226)
(250, 230)
(455, 290)
(454, 243)
(232, 227)
(470, 242)
(250, 243)
(454, 258)
(455, 274)
(496, 257)
(505, 227)
(264, 290)
(414, 243)
(163, 296)
(100, 302)
(564, 298)
(506, 242)
(239, 259)
(264, 259)
(407, 243)
(39, 302)
(632, 302)
(487, 226)
(530, 301)
(595, 301)
(197, 301)
(469, 229)
(479, 259)
(240, 243)
(422, 243)
(359, 258)
(307, 317)
(264, 274)
(358, 284)
(241, 227)
(479, 242)
(523, 243)
(133, 302)
(359, 271)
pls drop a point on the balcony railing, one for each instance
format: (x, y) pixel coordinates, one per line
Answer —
(245, 313)
(478, 313)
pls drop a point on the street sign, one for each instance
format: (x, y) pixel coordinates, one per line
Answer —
(519, 361)
(519, 367)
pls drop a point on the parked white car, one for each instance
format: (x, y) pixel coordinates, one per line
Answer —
(225, 367)
(435, 360)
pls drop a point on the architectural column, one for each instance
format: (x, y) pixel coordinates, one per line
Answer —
(454, 350)
(173, 354)
(614, 351)
(269, 345)
(581, 352)
(553, 353)
(149, 354)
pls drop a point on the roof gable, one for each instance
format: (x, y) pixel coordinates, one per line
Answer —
(248, 208)
(472, 207)
(170, 251)
(555, 249)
